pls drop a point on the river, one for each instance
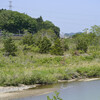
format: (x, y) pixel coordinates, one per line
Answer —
(86, 90)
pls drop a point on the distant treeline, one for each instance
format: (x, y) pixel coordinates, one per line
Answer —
(15, 22)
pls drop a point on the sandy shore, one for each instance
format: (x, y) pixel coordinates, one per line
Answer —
(8, 93)
(87, 79)
(25, 93)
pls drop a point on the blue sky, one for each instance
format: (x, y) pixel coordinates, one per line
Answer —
(69, 15)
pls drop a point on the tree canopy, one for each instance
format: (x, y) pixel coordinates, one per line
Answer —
(15, 22)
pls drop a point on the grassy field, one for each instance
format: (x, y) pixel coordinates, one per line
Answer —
(28, 67)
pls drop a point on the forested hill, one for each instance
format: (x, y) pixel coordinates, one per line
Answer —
(15, 22)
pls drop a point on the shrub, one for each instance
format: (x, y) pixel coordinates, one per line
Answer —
(28, 39)
(35, 49)
(64, 45)
(56, 97)
(45, 45)
(57, 49)
(9, 46)
(82, 45)
(31, 48)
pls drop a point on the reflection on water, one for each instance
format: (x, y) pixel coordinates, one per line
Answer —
(74, 91)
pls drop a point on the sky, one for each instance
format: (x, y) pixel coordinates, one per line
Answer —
(68, 15)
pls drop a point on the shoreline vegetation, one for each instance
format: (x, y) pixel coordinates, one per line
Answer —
(13, 92)
(40, 56)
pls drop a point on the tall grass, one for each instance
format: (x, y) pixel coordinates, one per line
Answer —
(31, 68)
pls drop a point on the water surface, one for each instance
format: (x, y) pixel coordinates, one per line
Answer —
(74, 91)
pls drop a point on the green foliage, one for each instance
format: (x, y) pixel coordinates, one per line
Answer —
(64, 45)
(55, 97)
(82, 45)
(47, 24)
(49, 33)
(55, 60)
(6, 34)
(50, 25)
(96, 30)
(89, 38)
(28, 39)
(45, 45)
(36, 68)
(9, 46)
(40, 23)
(93, 71)
(71, 74)
(56, 49)
(31, 48)
(15, 22)
(35, 49)
(83, 41)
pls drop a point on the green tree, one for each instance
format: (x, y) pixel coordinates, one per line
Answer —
(64, 44)
(49, 25)
(45, 45)
(89, 38)
(82, 45)
(49, 33)
(39, 23)
(16, 22)
(57, 49)
(9, 46)
(57, 31)
(28, 39)
(95, 29)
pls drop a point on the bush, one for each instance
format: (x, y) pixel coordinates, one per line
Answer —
(56, 97)
(57, 49)
(45, 45)
(64, 44)
(82, 45)
(28, 39)
(9, 46)
(31, 48)
(35, 49)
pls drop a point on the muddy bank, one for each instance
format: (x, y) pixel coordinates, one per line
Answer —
(17, 88)
(25, 93)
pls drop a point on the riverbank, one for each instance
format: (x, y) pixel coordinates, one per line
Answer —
(29, 68)
(8, 93)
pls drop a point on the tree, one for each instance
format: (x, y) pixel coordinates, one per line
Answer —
(96, 30)
(57, 49)
(57, 31)
(39, 23)
(49, 33)
(45, 45)
(82, 45)
(28, 39)
(49, 25)
(10, 47)
(86, 31)
(15, 22)
(64, 44)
